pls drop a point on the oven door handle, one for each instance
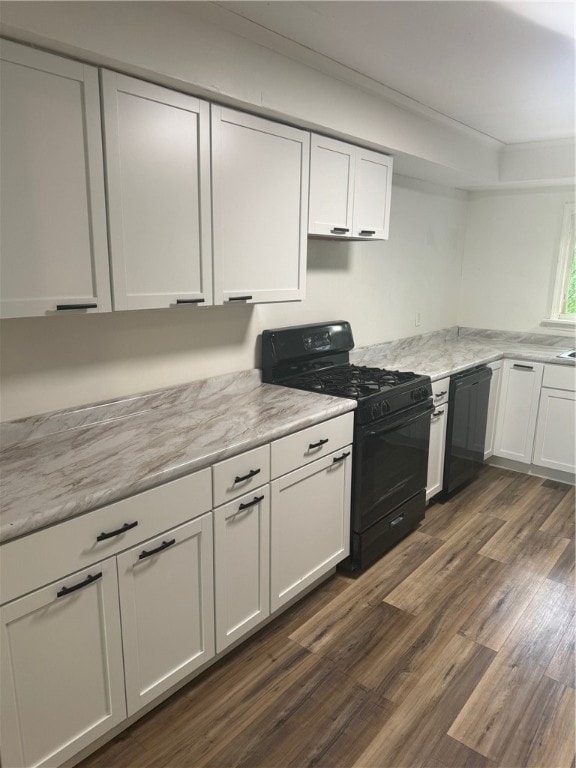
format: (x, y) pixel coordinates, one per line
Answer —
(390, 427)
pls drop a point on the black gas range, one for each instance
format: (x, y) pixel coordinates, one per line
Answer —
(391, 429)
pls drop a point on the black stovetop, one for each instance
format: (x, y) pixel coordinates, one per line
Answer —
(354, 381)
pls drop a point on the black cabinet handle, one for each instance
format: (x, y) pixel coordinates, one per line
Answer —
(318, 444)
(437, 413)
(255, 500)
(88, 580)
(246, 477)
(165, 544)
(61, 307)
(190, 301)
(336, 459)
(523, 367)
(126, 527)
(367, 232)
(239, 298)
(440, 394)
(396, 521)
(339, 230)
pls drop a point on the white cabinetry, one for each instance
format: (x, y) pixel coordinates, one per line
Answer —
(167, 604)
(518, 409)
(555, 441)
(310, 524)
(439, 420)
(61, 667)
(157, 144)
(260, 172)
(492, 407)
(53, 219)
(350, 190)
(62, 673)
(242, 565)
(156, 582)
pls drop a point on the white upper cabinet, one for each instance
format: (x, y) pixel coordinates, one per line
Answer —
(372, 191)
(259, 201)
(157, 147)
(332, 166)
(53, 220)
(350, 190)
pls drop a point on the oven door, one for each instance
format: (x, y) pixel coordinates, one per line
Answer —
(391, 463)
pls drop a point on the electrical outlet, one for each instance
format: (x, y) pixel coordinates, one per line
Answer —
(418, 319)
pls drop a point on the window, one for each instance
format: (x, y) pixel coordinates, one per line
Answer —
(564, 300)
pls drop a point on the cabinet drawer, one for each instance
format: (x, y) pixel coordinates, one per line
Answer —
(240, 474)
(440, 390)
(47, 555)
(560, 377)
(310, 444)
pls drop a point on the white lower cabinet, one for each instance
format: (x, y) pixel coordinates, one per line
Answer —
(496, 368)
(242, 565)
(310, 524)
(517, 410)
(61, 668)
(167, 604)
(555, 441)
(438, 424)
(437, 445)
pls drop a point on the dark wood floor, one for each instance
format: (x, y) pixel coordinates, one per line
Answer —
(456, 650)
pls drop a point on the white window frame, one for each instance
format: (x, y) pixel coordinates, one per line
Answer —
(557, 317)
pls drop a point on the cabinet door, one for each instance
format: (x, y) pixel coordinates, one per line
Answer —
(53, 220)
(310, 524)
(436, 454)
(158, 180)
(260, 175)
(167, 604)
(372, 191)
(61, 668)
(492, 407)
(242, 565)
(517, 410)
(554, 445)
(332, 166)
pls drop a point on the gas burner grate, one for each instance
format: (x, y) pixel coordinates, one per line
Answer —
(353, 381)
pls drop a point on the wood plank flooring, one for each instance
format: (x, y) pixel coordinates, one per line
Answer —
(456, 650)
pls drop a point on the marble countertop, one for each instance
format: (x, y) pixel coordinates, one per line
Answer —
(445, 353)
(58, 465)
(62, 464)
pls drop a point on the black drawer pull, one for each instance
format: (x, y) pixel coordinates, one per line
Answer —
(165, 544)
(88, 580)
(239, 298)
(190, 301)
(339, 230)
(440, 394)
(336, 459)
(126, 527)
(246, 477)
(255, 500)
(397, 520)
(367, 232)
(318, 444)
(61, 307)
(437, 413)
(523, 367)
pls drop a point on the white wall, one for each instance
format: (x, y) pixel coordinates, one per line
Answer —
(58, 362)
(510, 254)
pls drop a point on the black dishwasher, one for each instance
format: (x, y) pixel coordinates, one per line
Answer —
(466, 429)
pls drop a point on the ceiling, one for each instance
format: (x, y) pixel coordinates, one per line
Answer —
(505, 69)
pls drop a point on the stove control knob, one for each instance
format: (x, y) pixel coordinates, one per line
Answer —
(419, 394)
